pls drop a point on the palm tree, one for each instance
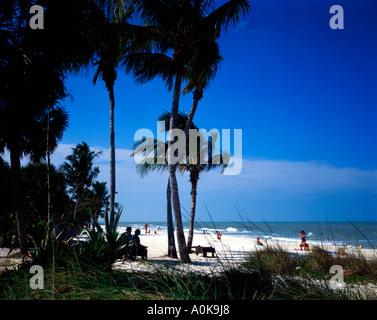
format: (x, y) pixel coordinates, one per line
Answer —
(25, 138)
(149, 164)
(143, 168)
(203, 69)
(99, 198)
(148, 149)
(182, 27)
(32, 85)
(195, 170)
(79, 172)
(211, 161)
(111, 45)
(36, 199)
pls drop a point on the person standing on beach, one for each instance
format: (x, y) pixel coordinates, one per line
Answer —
(303, 236)
(303, 243)
(146, 227)
(218, 235)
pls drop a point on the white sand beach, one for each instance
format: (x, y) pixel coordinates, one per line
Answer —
(229, 251)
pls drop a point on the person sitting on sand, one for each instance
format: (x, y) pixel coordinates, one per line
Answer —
(303, 243)
(139, 249)
(218, 235)
(258, 242)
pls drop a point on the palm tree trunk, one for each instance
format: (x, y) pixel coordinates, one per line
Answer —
(48, 168)
(183, 252)
(112, 154)
(172, 251)
(17, 191)
(76, 208)
(194, 177)
(198, 94)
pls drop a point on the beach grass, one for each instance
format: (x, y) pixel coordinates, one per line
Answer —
(76, 282)
(316, 265)
(258, 279)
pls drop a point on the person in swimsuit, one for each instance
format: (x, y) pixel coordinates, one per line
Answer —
(146, 227)
(258, 242)
(303, 243)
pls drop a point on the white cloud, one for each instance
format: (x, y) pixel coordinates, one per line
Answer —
(300, 177)
(258, 177)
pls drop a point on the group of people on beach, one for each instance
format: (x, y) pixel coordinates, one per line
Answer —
(303, 244)
(146, 226)
(132, 245)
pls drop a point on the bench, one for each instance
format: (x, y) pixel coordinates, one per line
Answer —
(204, 250)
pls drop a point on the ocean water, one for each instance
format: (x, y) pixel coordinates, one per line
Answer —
(333, 233)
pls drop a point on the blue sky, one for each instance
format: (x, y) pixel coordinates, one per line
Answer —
(304, 96)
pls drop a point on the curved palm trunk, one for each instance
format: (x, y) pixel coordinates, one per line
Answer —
(198, 94)
(194, 177)
(17, 191)
(112, 153)
(183, 252)
(172, 251)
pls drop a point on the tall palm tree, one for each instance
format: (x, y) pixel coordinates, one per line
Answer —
(181, 27)
(79, 172)
(112, 45)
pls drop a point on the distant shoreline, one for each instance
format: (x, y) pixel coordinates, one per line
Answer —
(329, 233)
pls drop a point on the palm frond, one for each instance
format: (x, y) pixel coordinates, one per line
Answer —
(226, 15)
(145, 66)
